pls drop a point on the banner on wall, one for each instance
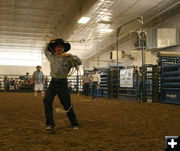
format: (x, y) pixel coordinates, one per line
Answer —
(126, 78)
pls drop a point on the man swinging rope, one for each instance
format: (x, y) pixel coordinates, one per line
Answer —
(61, 64)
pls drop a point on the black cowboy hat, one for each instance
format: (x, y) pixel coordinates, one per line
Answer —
(58, 41)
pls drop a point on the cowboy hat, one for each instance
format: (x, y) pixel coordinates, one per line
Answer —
(56, 42)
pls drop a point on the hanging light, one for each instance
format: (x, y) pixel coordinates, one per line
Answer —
(83, 20)
(106, 30)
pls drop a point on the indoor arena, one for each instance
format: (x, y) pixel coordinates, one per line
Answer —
(89, 75)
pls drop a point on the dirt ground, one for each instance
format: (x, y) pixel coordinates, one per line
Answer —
(105, 125)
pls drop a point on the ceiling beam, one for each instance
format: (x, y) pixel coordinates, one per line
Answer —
(78, 10)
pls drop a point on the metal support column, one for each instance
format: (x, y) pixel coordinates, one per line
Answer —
(140, 18)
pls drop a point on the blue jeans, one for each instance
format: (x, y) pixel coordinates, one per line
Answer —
(86, 89)
(94, 90)
(60, 88)
(140, 88)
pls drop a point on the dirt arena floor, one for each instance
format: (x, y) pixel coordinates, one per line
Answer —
(105, 125)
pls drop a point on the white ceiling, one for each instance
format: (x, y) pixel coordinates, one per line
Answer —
(27, 25)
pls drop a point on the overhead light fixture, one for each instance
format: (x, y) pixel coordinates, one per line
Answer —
(82, 40)
(83, 20)
(106, 30)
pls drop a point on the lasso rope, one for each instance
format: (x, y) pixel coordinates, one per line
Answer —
(59, 110)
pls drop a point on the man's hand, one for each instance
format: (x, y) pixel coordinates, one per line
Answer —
(52, 39)
(66, 55)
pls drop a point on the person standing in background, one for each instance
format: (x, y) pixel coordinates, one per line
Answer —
(27, 78)
(6, 84)
(86, 82)
(95, 84)
(38, 79)
(140, 84)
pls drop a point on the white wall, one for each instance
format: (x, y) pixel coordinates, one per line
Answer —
(16, 70)
(21, 70)
(150, 56)
(104, 59)
(89, 65)
(126, 47)
(45, 66)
